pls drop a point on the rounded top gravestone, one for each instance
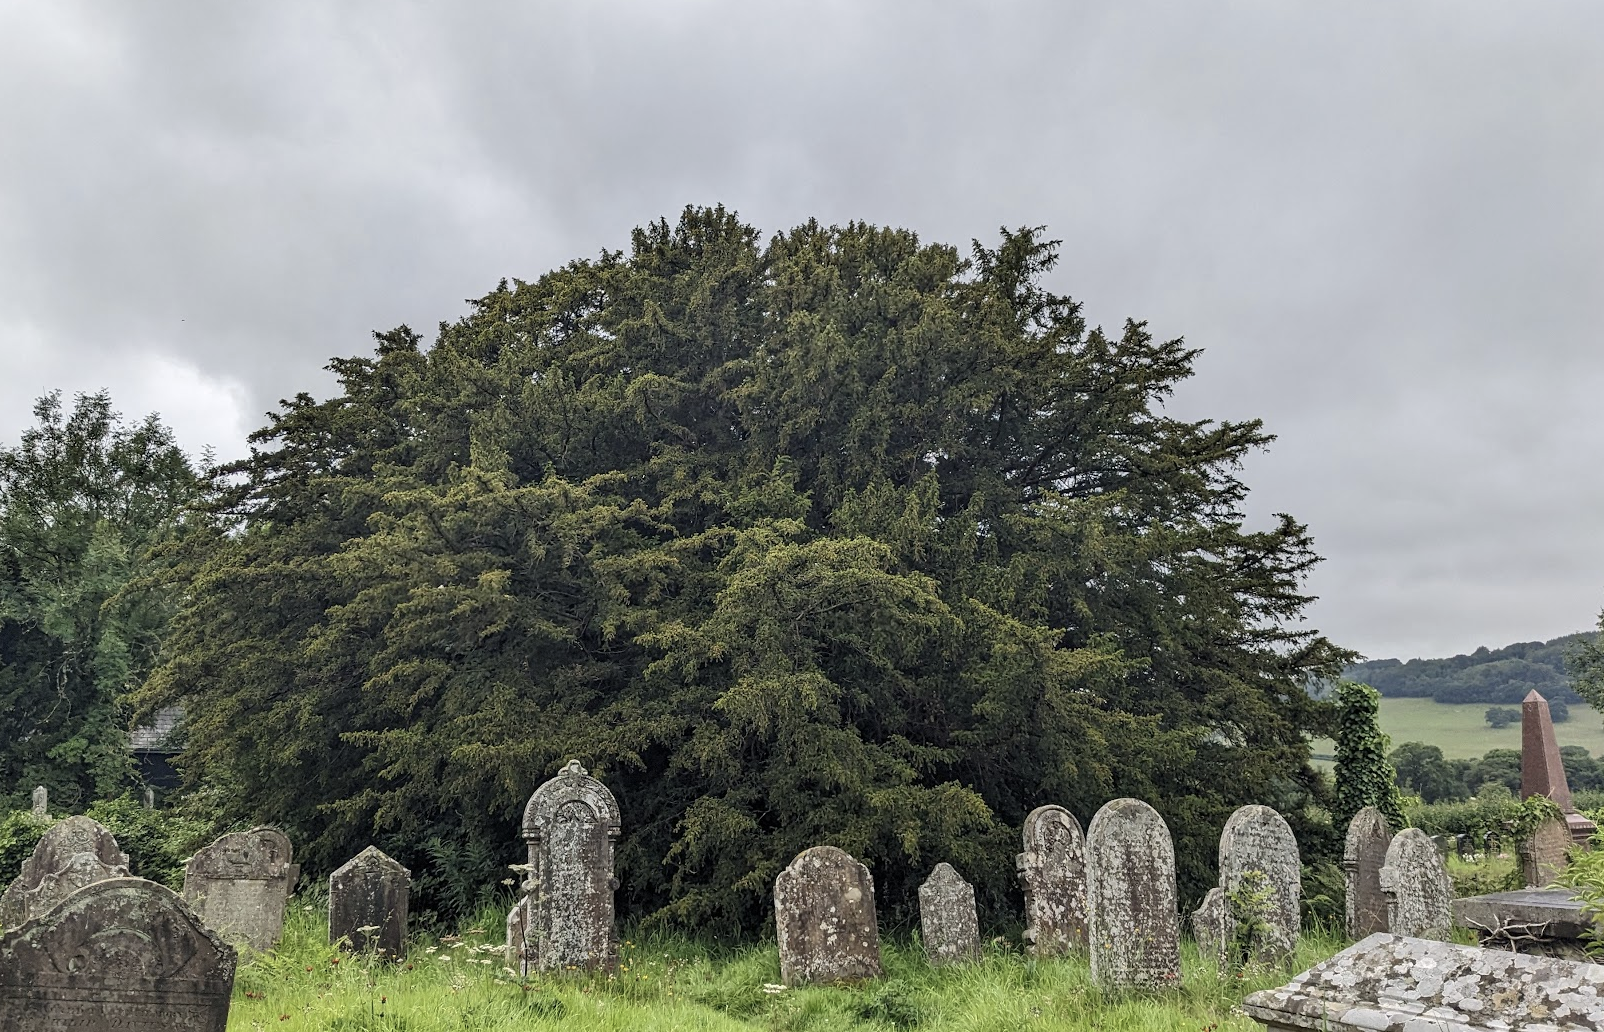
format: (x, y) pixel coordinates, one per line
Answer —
(573, 784)
(824, 919)
(1418, 890)
(1133, 929)
(1257, 839)
(1052, 871)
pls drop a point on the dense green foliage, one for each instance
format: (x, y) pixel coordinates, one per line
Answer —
(1493, 821)
(1422, 770)
(83, 499)
(1364, 777)
(1586, 664)
(840, 539)
(1487, 675)
(1502, 716)
(157, 842)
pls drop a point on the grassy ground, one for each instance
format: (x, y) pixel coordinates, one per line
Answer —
(674, 984)
(1461, 730)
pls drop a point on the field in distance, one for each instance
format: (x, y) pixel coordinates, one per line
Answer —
(1461, 730)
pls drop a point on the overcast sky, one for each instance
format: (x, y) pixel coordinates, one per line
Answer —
(1383, 223)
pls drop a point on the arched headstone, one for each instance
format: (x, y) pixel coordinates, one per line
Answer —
(947, 919)
(1363, 854)
(1052, 870)
(1257, 839)
(565, 918)
(1415, 882)
(41, 802)
(71, 854)
(122, 953)
(1133, 929)
(368, 899)
(824, 919)
(239, 884)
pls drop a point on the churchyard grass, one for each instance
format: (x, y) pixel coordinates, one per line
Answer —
(459, 983)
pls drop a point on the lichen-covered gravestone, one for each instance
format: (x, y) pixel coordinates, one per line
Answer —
(824, 919)
(1257, 839)
(239, 884)
(368, 900)
(1415, 882)
(1052, 870)
(1363, 854)
(565, 919)
(1208, 924)
(1131, 909)
(1543, 855)
(72, 853)
(124, 953)
(947, 919)
(41, 802)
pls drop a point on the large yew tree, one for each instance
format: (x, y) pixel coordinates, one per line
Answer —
(840, 538)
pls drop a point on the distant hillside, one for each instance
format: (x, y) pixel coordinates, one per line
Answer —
(1498, 675)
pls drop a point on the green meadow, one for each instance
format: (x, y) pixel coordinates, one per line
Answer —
(1461, 730)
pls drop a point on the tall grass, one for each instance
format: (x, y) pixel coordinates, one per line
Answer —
(458, 983)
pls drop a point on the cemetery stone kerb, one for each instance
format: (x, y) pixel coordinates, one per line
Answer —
(1133, 929)
(566, 917)
(1256, 838)
(1052, 871)
(1363, 853)
(239, 885)
(1419, 894)
(368, 899)
(72, 853)
(824, 919)
(123, 953)
(947, 919)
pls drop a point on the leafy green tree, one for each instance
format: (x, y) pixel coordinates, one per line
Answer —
(1501, 716)
(1498, 767)
(83, 500)
(840, 538)
(1423, 770)
(1363, 775)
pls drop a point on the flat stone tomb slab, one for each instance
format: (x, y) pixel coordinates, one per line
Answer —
(1547, 913)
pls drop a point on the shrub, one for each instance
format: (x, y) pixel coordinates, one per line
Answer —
(20, 831)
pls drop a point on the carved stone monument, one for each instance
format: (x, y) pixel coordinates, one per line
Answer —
(1362, 856)
(1543, 855)
(1131, 909)
(824, 919)
(1415, 882)
(41, 802)
(1257, 839)
(1209, 924)
(368, 904)
(1052, 870)
(123, 953)
(239, 884)
(565, 918)
(947, 919)
(1541, 772)
(1389, 983)
(72, 853)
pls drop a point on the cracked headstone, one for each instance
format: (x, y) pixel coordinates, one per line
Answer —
(123, 953)
(71, 854)
(947, 920)
(239, 885)
(1052, 871)
(565, 918)
(1415, 882)
(824, 919)
(41, 802)
(368, 900)
(1363, 853)
(1133, 928)
(1208, 924)
(1257, 839)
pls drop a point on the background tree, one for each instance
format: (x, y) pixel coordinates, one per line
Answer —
(1363, 775)
(83, 500)
(1423, 770)
(1501, 716)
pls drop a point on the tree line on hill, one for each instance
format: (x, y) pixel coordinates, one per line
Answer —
(1487, 675)
(1423, 770)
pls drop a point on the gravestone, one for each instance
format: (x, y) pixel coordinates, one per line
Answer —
(368, 904)
(824, 919)
(1541, 770)
(1052, 870)
(41, 802)
(71, 854)
(565, 918)
(1208, 924)
(1543, 855)
(947, 919)
(239, 884)
(1415, 882)
(1389, 983)
(1132, 927)
(1257, 839)
(118, 954)
(1362, 856)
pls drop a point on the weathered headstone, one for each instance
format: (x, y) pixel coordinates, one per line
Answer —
(824, 919)
(72, 853)
(565, 919)
(41, 802)
(1052, 870)
(123, 953)
(1541, 770)
(1362, 856)
(1208, 924)
(1131, 908)
(1389, 983)
(239, 884)
(1415, 882)
(947, 919)
(368, 900)
(1543, 855)
(1257, 839)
